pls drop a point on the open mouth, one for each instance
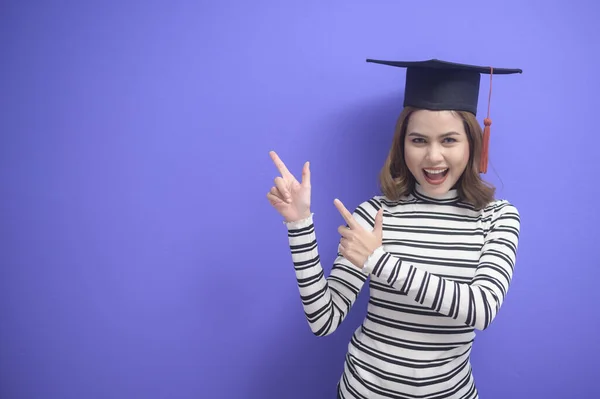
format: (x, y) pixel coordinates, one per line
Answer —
(435, 176)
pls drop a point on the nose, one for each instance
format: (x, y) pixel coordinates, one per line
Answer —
(435, 153)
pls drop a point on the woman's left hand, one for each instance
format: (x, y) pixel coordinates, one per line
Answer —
(357, 243)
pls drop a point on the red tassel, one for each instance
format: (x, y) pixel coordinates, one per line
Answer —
(485, 148)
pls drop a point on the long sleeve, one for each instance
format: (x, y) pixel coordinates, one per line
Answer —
(326, 301)
(475, 304)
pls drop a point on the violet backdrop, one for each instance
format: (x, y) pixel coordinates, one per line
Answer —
(139, 255)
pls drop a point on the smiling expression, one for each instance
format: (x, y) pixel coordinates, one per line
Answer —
(436, 150)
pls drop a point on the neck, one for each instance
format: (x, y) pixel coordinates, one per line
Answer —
(446, 197)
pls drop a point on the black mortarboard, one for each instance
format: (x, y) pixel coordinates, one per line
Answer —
(443, 85)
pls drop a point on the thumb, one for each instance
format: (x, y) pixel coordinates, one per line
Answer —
(378, 228)
(306, 174)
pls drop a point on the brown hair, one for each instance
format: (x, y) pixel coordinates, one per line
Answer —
(395, 179)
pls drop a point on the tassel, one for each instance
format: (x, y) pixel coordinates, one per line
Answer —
(485, 148)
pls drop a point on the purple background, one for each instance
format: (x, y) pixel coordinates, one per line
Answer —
(139, 255)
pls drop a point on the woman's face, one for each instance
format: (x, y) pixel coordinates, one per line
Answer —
(436, 149)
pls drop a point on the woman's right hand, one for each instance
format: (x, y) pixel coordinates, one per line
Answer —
(289, 197)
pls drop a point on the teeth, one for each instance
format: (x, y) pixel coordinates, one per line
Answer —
(436, 171)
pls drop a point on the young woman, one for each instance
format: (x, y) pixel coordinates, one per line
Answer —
(438, 248)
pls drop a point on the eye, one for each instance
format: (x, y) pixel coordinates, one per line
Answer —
(418, 140)
(449, 140)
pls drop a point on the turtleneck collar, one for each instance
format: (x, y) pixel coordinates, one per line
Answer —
(447, 197)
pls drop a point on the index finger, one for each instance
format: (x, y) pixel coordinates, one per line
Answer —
(279, 164)
(345, 214)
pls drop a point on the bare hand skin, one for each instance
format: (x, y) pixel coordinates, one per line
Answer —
(288, 196)
(291, 199)
(357, 243)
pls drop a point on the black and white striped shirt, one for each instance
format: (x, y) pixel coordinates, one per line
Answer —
(443, 272)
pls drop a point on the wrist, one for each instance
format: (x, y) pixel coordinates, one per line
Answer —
(298, 219)
(372, 259)
(302, 221)
(302, 216)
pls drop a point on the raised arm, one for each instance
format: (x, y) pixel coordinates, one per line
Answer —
(475, 304)
(326, 301)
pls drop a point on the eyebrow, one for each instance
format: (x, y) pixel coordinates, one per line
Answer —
(416, 134)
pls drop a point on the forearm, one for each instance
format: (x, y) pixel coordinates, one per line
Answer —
(475, 304)
(326, 301)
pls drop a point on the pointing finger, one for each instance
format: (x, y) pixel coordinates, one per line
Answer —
(345, 214)
(279, 164)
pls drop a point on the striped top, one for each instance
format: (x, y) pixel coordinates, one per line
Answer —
(443, 272)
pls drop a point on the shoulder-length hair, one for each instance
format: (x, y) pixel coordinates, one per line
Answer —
(396, 180)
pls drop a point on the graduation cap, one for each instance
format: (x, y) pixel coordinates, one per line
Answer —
(443, 85)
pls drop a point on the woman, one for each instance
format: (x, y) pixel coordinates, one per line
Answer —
(439, 249)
